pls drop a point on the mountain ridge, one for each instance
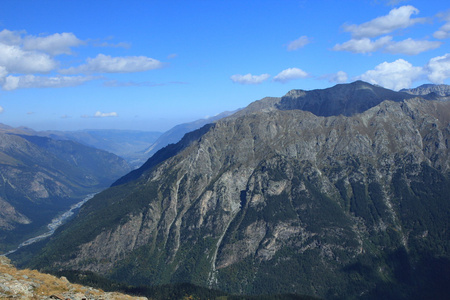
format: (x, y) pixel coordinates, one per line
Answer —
(282, 200)
(41, 177)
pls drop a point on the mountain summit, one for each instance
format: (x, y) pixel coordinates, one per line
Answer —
(336, 193)
(342, 99)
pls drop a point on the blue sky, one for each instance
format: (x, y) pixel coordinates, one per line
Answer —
(150, 65)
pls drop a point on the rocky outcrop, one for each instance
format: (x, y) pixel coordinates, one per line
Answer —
(9, 217)
(30, 284)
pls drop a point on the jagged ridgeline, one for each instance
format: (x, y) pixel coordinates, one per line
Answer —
(335, 193)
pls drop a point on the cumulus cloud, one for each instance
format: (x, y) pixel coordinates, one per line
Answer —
(99, 114)
(9, 37)
(339, 77)
(26, 54)
(23, 57)
(364, 45)
(398, 18)
(10, 82)
(396, 75)
(298, 43)
(408, 46)
(15, 60)
(411, 47)
(3, 72)
(401, 74)
(444, 31)
(107, 64)
(249, 78)
(438, 69)
(1, 109)
(55, 44)
(290, 74)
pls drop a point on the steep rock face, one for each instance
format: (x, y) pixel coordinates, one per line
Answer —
(40, 177)
(281, 201)
(9, 216)
(175, 134)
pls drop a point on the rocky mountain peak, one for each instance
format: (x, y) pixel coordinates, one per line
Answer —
(440, 90)
(341, 99)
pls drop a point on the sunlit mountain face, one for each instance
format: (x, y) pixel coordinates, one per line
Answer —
(275, 199)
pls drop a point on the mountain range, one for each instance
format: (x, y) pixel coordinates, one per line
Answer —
(41, 177)
(339, 193)
(128, 144)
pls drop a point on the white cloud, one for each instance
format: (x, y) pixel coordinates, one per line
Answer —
(438, 69)
(16, 60)
(408, 46)
(23, 57)
(339, 77)
(30, 81)
(411, 47)
(3, 72)
(444, 31)
(58, 43)
(290, 74)
(9, 37)
(55, 44)
(398, 18)
(364, 45)
(21, 54)
(107, 64)
(298, 43)
(99, 114)
(1, 109)
(249, 78)
(396, 75)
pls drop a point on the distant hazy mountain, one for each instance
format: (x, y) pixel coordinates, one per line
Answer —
(41, 177)
(341, 193)
(128, 144)
(431, 90)
(175, 134)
